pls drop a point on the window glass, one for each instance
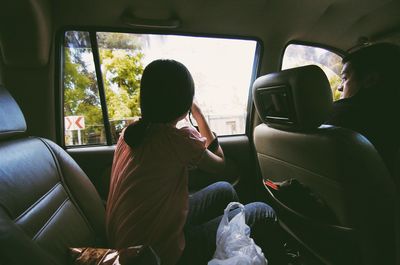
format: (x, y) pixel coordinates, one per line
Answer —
(122, 67)
(221, 68)
(331, 63)
(83, 120)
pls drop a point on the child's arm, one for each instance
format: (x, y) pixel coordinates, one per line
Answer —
(204, 129)
(210, 162)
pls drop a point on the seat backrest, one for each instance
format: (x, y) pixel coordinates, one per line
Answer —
(47, 203)
(338, 165)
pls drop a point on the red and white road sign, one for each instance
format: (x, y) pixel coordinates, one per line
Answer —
(74, 123)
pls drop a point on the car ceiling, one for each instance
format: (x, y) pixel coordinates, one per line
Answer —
(336, 23)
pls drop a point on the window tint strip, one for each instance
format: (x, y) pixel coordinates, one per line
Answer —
(100, 84)
(254, 74)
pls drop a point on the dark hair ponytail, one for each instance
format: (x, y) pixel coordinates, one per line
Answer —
(135, 132)
(166, 93)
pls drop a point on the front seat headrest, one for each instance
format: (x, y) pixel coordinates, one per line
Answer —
(296, 99)
(12, 121)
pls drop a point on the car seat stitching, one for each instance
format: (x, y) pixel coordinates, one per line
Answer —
(37, 202)
(51, 218)
(61, 176)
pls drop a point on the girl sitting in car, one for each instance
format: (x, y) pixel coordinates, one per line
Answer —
(149, 203)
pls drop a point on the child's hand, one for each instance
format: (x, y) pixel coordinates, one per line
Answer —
(196, 111)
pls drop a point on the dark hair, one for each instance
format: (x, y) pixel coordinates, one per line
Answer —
(166, 93)
(380, 58)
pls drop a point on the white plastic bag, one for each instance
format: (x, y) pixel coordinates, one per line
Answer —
(234, 244)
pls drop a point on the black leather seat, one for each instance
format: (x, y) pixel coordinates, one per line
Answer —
(47, 203)
(339, 165)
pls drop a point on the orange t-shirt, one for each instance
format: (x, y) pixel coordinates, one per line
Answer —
(148, 198)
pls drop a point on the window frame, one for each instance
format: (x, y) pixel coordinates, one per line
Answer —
(59, 67)
(336, 51)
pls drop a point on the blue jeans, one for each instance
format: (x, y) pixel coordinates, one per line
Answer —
(206, 208)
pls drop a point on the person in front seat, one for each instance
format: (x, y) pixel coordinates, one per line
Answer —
(370, 98)
(149, 203)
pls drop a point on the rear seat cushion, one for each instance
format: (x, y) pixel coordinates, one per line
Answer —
(47, 203)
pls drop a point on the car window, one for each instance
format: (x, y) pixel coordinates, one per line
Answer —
(99, 103)
(331, 63)
(83, 118)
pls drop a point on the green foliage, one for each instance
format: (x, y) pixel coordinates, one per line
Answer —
(122, 68)
(334, 81)
(125, 41)
(80, 91)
